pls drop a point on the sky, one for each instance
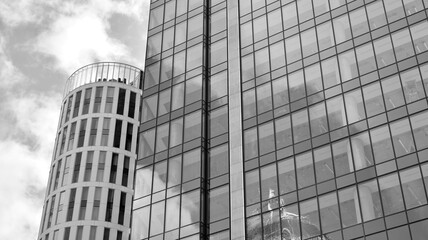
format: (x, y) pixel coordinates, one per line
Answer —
(41, 44)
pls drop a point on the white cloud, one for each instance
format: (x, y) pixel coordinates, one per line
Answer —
(25, 156)
(79, 40)
(79, 34)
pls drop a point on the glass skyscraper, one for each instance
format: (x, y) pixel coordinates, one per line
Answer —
(284, 119)
(270, 119)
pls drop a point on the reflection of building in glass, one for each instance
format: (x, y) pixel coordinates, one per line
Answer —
(90, 186)
(284, 120)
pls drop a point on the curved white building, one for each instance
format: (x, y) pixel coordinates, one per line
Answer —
(89, 192)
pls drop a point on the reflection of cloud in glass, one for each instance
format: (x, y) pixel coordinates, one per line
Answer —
(143, 187)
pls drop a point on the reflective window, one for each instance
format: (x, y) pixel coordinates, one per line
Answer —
(402, 137)
(420, 36)
(219, 203)
(384, 53)
(376, 14)
(381, 144)
(219, 163)
(394, 10)
(402, 43)
(219, 121)
(289, 13)
(192, 126)
(191, 165)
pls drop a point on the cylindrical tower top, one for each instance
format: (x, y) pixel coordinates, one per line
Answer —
(103, 71)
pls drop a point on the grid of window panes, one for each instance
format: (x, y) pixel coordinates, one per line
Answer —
(170, 179)
(91, 172)
(335, 118)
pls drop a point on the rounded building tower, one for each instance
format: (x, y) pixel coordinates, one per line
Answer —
(89, 192)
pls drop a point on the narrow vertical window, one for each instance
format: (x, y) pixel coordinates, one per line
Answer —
(131, 110)
(51, 178)
(60, 212)
(113, 169)
(106, 234)
(79, 233)
(71, 204)
(67, 114)
(87, 101)
(66, 171)
(98, 99)
(77, 104)
(109, 206)
(93, 133)
(83, 203)
(125, 172)
(105, 132)
(71, 136)
(77, 167)
(51, 211)
(58, 171)
(117, 133)
(121, 101)
(67, 233)
(101, 166)
(97, 203)
(82, 132)
(122, 205)
(128, 141)
(88, 167)
(109, 100)
(93, 232)
(64, 135)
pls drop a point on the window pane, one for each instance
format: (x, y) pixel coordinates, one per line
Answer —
(219, 121)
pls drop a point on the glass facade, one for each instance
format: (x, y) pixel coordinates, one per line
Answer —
(266, 119)
(335, 118)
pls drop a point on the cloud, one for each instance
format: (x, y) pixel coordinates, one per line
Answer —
(25, 153)
(80, 34)
(79, 39)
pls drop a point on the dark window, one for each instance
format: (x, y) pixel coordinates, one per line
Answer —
(71, 205)
(106, 234)
(51, 210)
(117, 133)
(109, 208)
(83, 203)
(64, 134)
(77, 167)
(122, 207)
(125, 172)
(71, 136)
(128, 142)
(121, 101)
(98, 99)
(88, 167)
(131, 110)
(113, 170)
(109, 100)
(67, 233)
(93, 133)
(82, 132)
(77, 104)
(67, 115)
(119, 235)
(58, 171)
(87, 100)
